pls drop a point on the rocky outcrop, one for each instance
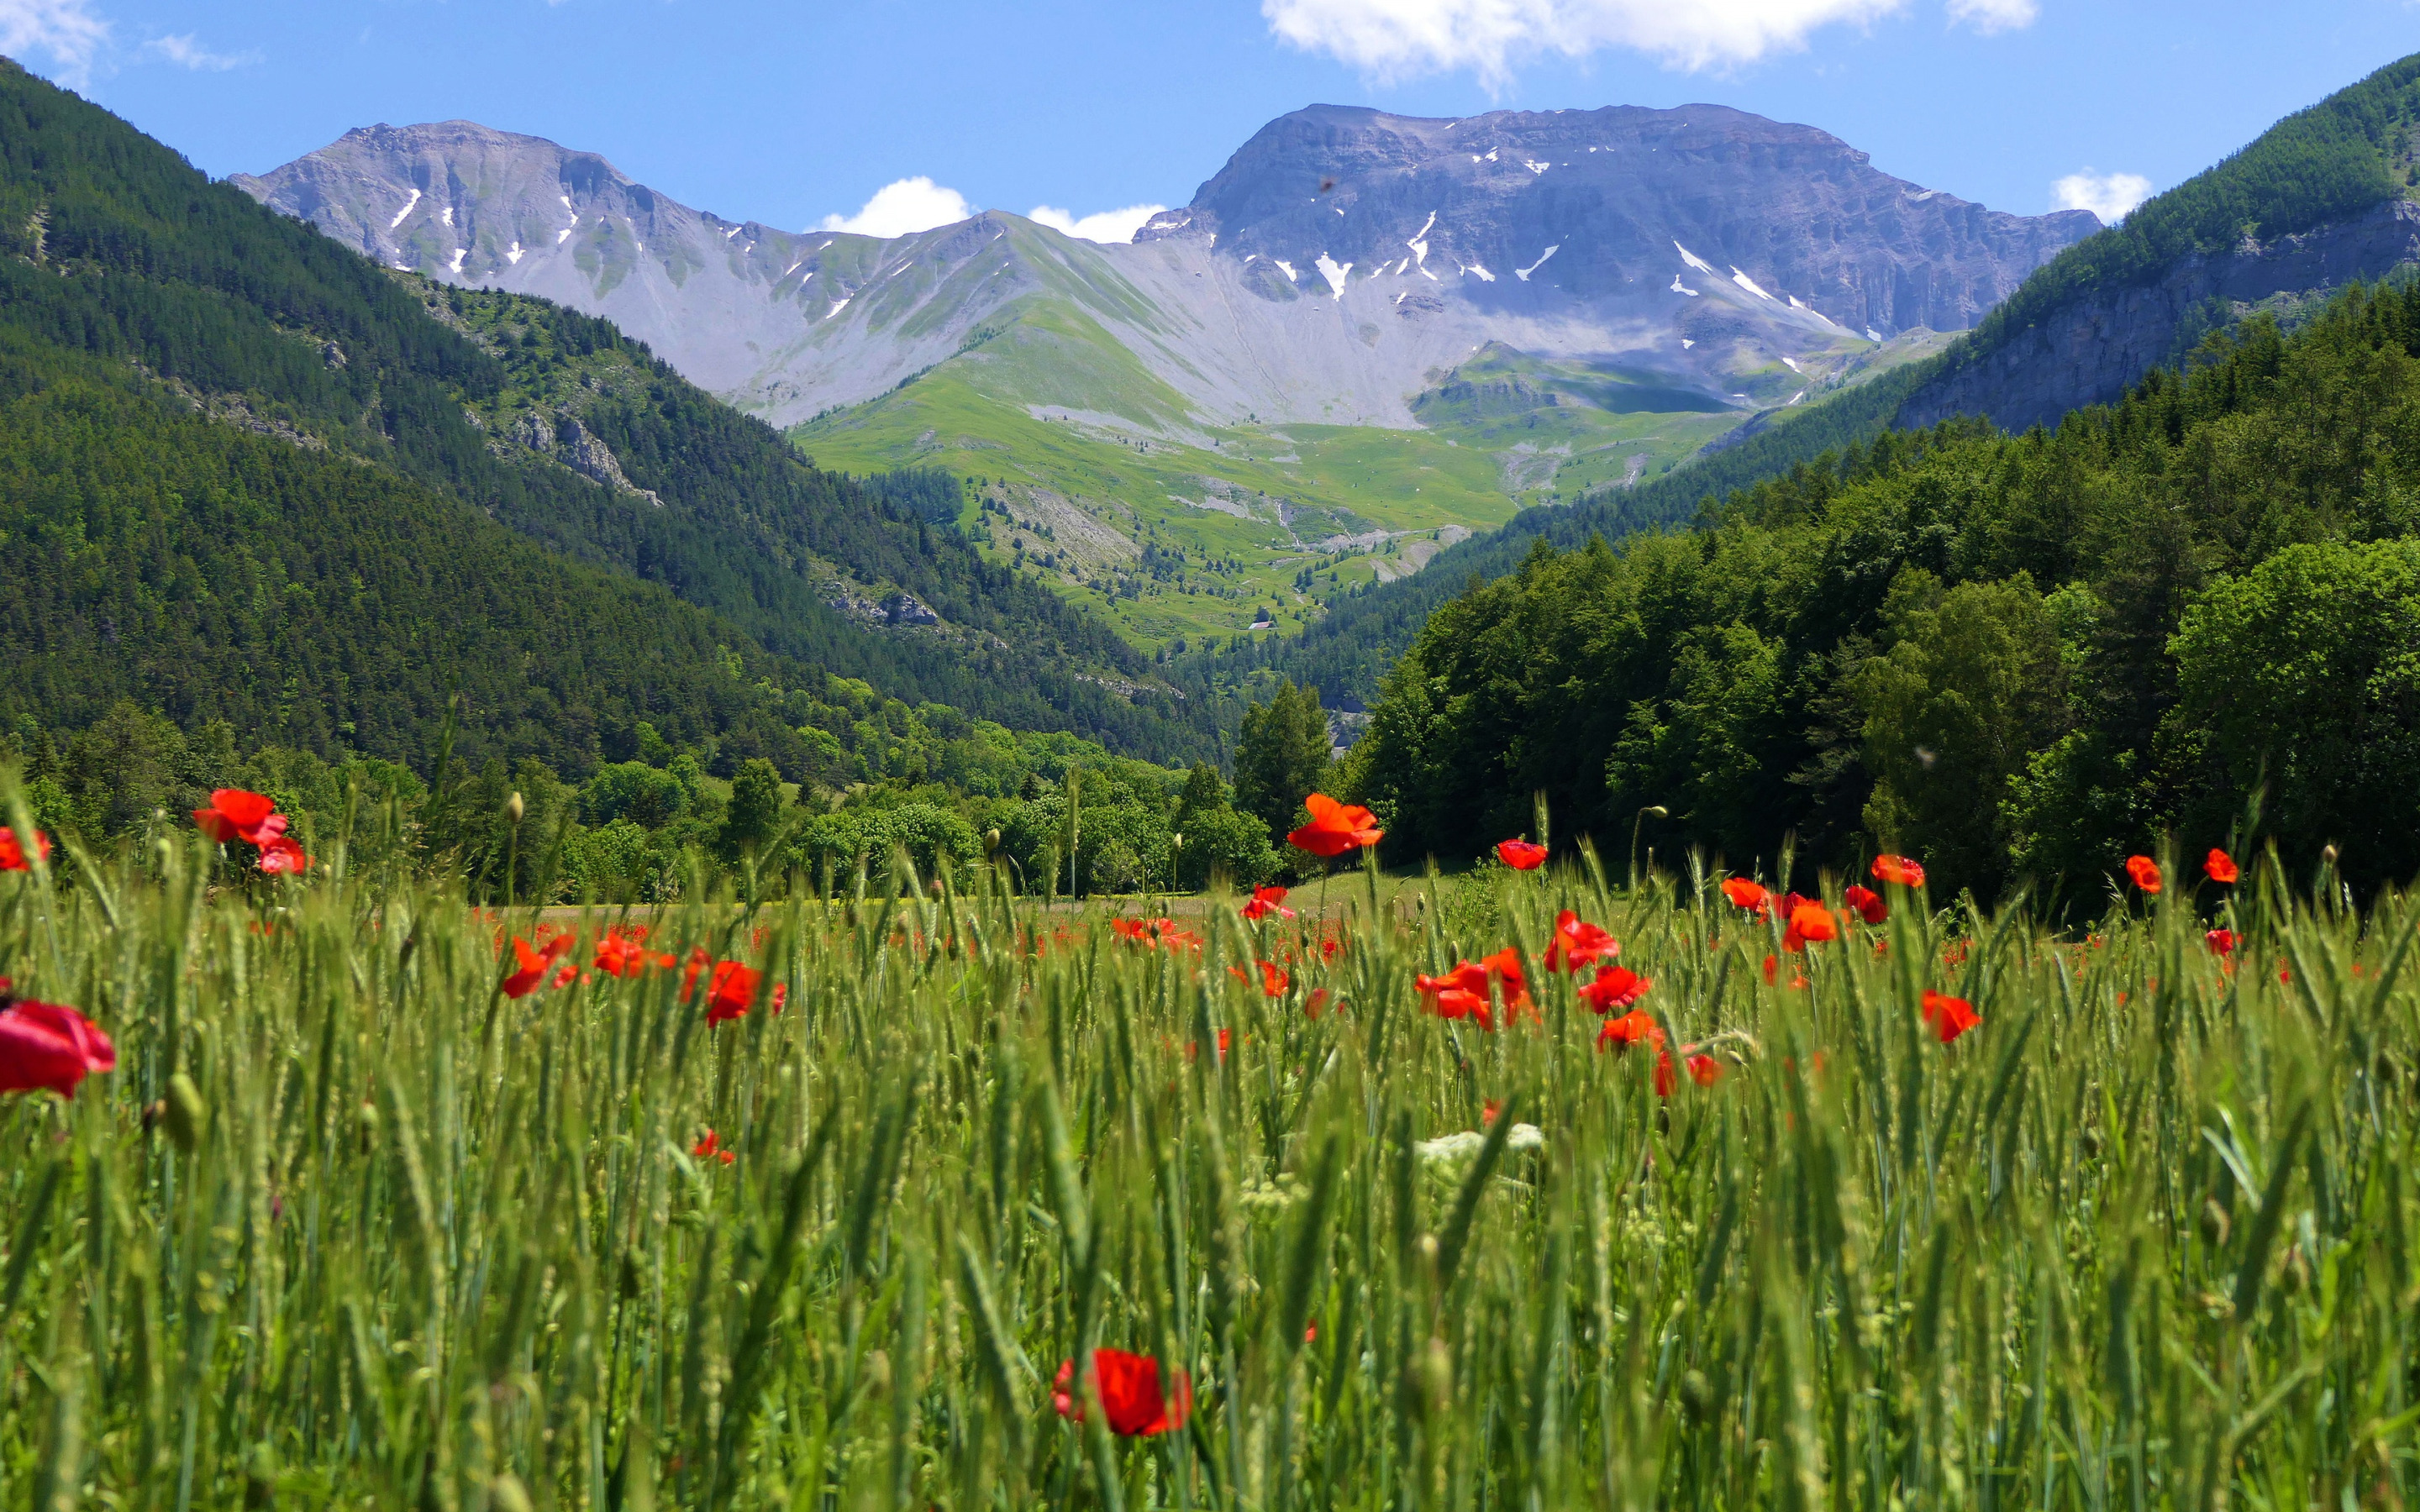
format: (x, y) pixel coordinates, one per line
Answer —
(903, 608)
(562, 437)
(2094, 348)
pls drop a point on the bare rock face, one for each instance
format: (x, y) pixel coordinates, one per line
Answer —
(573, 444)
(474, 206)
(1338, 262)
(1533, 210)
(2099, 344)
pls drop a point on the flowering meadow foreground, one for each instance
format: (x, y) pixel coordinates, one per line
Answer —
(326, 1190)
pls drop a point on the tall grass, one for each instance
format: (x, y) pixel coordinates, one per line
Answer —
(2142, 1239)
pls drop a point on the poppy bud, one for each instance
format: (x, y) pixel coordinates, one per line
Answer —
(2215, 1224)
(991, 840)
(514, 809)
(2089, 1141)
(1436, 1376)
(260, 1478)
(1656, 811)
(186, 1112)
(1697, 1395)
(507, 1493)
(2328, 854)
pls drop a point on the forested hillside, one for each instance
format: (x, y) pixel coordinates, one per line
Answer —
(2342, 156)
(2022, 656)
(122, 269)
(208, 574)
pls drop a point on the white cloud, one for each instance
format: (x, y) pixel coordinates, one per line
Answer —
(1989, 16)
(2108, 195)
(69, 31)
(1394, 38)
(1109, 225)
(187, 52)
(900, 209)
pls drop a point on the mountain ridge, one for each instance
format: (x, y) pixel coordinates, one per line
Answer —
(1210, 430)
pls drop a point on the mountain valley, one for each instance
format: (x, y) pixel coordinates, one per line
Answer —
(1367, 336)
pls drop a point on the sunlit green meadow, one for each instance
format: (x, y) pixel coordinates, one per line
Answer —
(2144, 1238)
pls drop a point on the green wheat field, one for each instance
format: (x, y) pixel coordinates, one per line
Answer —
(2143, 1237)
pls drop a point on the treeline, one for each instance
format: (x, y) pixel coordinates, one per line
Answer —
(2023, 657)
(1061, 814)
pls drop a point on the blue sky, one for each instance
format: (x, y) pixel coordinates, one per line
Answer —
(791, 113)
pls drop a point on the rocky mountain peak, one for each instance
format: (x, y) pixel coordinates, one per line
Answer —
(1622, 200)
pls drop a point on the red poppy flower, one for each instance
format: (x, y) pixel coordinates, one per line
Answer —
(1578, 943)
(1752, 896)
(1616, 987)
(1772, 969)
(1225, 1036)
(2220, 867)
(534, 964)
(1506, 964)
(1703, 1069)
(12, 850)
(1316, 1003)
(1809, 924)
(712, 1144)
(1329, 946)
(1634, 1027)
(1949, 1016)
(1488, 1110)
(1899, 868)
(733, 990)
(1131, 929)
(698, 962)
(283, 855)
(1267, 901)
(781, 998)
(49, 1048)
(2144, 872)
(2221, 941)
(623, 955)
(1867, 903)
(1134, 1401)
(1273, 977)
(1335, 827)
(1460, 992)
(1521, 855)
(236, 813)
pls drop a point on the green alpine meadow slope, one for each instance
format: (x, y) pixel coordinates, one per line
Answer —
(1090, 479)
(1182, 534)
(2324, 199)
(209, 396)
